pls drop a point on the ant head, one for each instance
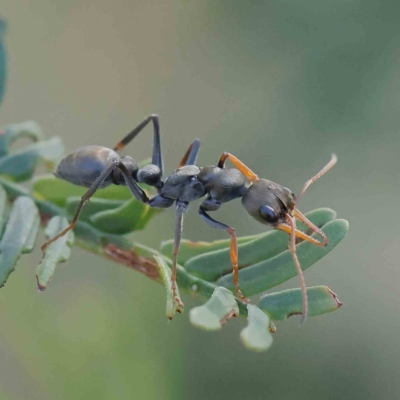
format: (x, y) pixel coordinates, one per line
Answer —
(151, 175)
(268, 202)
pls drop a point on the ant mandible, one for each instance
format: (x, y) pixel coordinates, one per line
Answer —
(97, 167)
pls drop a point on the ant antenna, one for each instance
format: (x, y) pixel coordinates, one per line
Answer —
(323, 171)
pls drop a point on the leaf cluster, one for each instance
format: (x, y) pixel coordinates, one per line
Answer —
(112, 214)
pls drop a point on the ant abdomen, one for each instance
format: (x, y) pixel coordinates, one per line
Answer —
(83, 166)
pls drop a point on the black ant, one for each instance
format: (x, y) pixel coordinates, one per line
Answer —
(269, 203)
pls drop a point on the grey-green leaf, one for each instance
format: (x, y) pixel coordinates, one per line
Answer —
(189, 249)
(92, 207)
(131, 216)
(19, 236)
(257, 336)
(57, 252)
(10, 133)
(212, 265)
(218, 309)
(3, 208)
(282, 305)
(173, 304)
(20, 165)
(274, 271)
(57, 191)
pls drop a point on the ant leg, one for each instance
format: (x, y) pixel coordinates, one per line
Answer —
(244, 169)
(190, 156)
(90, 192)
(286, 228)
(301, 217)
(157, 155)
(181, 208)
(323, 171)
(210, 204)
(135, 189)
(292, 248)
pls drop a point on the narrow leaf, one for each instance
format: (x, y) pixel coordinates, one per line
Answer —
(256, 336)
(282, 305)
(219, 308)
(272, 272)
(189, 249)
(3, 209)
(10, 133)
(57, 252)
(93, 206)
(131, 216)
(211, 266)
(57, 191)
(19, 235)
(3, 60)
(20, 165)
(173, 305)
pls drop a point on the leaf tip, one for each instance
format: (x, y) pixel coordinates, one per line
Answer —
(218, 310)
(335, 297)
(40, 287)
(174, 302)
(257, 335)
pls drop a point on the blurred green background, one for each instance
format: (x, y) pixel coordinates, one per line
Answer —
(282, 85)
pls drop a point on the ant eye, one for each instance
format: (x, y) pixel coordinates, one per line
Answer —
(269, 214)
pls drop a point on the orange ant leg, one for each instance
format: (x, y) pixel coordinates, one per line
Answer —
(288, 229)
(301, 217)
(233, 249)
(244, 169)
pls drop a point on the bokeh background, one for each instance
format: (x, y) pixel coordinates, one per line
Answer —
(282, 85)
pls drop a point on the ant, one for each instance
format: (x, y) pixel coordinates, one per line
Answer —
(97, 167)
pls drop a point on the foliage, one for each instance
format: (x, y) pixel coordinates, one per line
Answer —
(204, 268)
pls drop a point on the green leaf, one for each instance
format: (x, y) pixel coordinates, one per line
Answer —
(10, 133)
(3, 60)
(282, 305)
(276, 270)
(131, 216)
(92, 207)
(57, 252)
(3, 208)
(57, 191)
(19, 235)
(218, 309)
(212, 265)
(20, 165)
(173, 304)
(189, 249)
(256, 336)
